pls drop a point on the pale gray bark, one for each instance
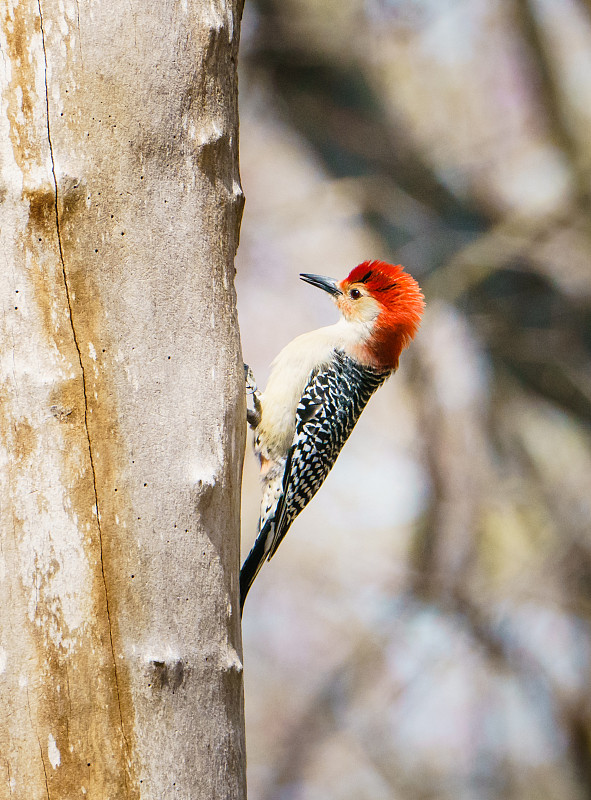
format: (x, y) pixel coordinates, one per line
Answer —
(121, 401)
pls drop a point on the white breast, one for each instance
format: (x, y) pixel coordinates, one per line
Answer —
(290, 372)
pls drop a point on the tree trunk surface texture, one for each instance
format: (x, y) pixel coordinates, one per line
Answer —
(121, 401)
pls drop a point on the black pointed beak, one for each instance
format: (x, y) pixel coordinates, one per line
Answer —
(328, 284)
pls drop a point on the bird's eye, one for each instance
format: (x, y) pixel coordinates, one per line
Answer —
(354, 294)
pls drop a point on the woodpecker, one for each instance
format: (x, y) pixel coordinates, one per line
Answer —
(318, 387)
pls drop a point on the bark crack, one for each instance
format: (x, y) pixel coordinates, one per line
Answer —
(40, 746)
(84, 388)
(44, 769)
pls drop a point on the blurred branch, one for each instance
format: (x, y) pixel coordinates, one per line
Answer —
(537, 331)
(528, 322)
(550, 93)
(586, 4)
(568, 565)
(508, 241)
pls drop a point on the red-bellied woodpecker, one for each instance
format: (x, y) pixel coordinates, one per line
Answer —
(319, 385)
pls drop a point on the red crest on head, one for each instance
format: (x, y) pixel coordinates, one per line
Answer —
(402, 306)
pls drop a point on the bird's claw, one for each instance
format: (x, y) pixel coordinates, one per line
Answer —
(253, 415)
(251, 384)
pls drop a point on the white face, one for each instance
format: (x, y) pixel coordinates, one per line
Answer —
(357, 305)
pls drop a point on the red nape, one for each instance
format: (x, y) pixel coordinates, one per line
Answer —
(402, 307)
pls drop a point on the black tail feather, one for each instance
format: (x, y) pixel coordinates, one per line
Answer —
(252, 564)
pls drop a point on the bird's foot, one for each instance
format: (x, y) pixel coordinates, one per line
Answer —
(253, 415)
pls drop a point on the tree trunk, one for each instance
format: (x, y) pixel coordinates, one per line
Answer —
(121, 401)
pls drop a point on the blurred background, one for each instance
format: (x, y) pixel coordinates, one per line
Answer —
(423, 632)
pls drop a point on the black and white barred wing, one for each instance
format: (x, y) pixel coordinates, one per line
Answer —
(330, 406)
